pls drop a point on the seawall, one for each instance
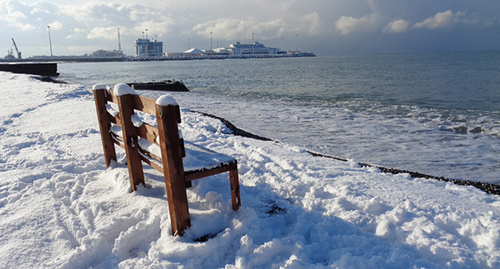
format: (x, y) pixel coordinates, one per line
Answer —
(41, 69)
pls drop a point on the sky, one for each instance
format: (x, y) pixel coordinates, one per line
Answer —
(325, 27)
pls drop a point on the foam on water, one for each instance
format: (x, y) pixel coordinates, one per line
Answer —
(421, 140)
(432, 113)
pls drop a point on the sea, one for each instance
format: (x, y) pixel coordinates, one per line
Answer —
(435, 113)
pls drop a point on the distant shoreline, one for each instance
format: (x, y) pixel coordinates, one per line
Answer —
(165, 58)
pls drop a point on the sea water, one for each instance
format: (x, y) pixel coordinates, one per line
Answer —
(437, 114)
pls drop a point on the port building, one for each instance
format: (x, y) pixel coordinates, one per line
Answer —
(146, 48)
(107, 54)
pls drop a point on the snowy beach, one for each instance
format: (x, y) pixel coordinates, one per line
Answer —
(61, 208)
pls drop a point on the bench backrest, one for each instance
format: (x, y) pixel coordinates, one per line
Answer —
(132, 131)
(165, 135)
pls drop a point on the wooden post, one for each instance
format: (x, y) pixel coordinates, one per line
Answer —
(130, 139)
(173, 169)
(104, 126)
(235, 188)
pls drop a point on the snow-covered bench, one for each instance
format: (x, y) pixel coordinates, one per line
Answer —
(161, 146)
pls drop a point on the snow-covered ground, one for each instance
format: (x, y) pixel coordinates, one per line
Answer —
(61, 208)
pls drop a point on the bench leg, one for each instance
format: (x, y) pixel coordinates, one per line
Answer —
(171, 155)
(130, 140)
(235, 188)
(104, 126)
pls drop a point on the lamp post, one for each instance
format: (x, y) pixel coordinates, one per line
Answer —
(296, 38)
(119, 41)
(253, 44)
(50, 42)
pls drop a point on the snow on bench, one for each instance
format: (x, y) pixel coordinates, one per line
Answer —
(161, 146)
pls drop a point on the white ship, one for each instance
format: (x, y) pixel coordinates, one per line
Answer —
(237, 50)
(252, 49)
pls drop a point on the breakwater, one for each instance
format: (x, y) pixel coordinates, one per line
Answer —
(41, 69)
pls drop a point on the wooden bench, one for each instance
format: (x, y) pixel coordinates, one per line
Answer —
(161, 147)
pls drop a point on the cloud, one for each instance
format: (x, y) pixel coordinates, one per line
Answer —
(312, 22)
(235, 29)
(396, 27)
(76, 33)
(103, 19)
(26, 27)
(347, 25)
(227, 28)
(440, 20)
(43, 9)
(13, 14)
(16, 15)
(102, 33)
(100, 14)
(55, 25)
(492, 22)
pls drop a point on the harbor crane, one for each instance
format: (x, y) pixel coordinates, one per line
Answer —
(17, 50)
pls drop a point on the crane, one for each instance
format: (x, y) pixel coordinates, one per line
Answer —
(17, 50)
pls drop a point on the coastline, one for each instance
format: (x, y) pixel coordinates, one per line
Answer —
(84, 59)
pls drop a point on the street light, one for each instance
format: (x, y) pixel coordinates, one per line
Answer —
(50, 42)
(296, 38)
(253, 44)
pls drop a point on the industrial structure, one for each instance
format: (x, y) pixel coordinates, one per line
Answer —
(107, 54)
(145, 48)
(17, 50)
